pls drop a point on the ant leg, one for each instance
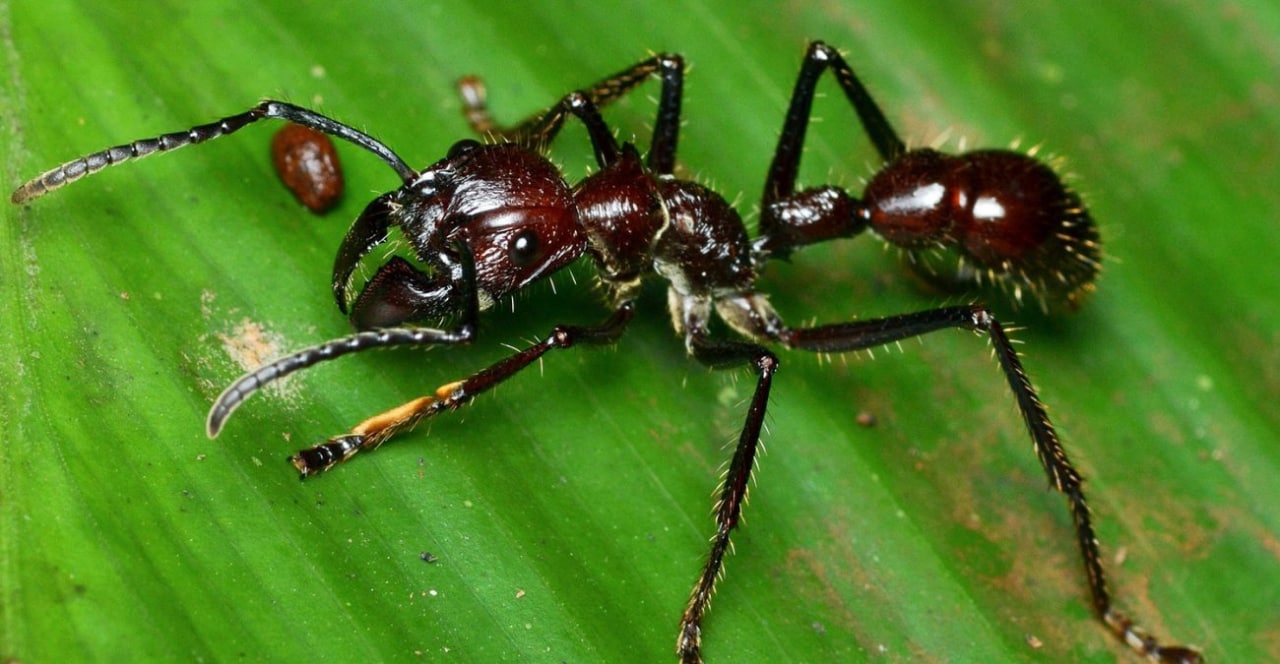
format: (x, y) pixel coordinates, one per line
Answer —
(475, 108)
(375, 430)
(1053, 457)
(733, 490)
(537, 131)
(786, 158)
(789, 219)
(89, 164)
(666, 128)
(577, 104)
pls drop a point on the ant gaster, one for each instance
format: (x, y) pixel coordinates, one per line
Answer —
(492, 217)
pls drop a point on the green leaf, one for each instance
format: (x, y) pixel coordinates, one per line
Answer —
(569, 509)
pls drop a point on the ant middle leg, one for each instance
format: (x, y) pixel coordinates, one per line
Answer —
(732, 493)
(541, 128)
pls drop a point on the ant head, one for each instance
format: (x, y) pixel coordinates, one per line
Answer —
(1002, 217)
(508, 210)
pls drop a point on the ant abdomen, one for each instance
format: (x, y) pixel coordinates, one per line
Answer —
(994, 216)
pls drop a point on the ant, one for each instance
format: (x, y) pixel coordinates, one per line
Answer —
(492, 217)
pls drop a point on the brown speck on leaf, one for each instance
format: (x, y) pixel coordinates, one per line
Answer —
(307, 163)
(250, 345)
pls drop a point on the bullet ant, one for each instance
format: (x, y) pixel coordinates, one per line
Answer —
(492, 217)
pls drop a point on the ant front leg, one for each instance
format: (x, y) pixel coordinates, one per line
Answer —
(541, 128)
(376, 430)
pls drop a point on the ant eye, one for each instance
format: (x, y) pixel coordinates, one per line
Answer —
(462, 147)
(524, 248)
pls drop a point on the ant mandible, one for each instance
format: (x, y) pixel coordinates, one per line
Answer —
(492, 217)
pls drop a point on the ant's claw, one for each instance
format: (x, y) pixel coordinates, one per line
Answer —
(322, 457)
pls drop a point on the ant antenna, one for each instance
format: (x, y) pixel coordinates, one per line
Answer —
(90, 164)
(242, 389)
